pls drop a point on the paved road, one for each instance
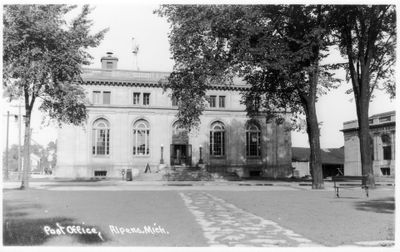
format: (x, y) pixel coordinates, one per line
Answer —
(192, 216)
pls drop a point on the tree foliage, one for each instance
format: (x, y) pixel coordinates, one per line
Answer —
(367, 37)
(276, 49)
(42, 58)
(213, 43)
(47, 155)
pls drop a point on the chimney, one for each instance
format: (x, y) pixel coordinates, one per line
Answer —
(109, 62)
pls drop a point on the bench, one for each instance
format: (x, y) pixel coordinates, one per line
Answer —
(349, 182)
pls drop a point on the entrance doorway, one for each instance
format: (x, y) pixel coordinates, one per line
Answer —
(181, 150)
(181, 154)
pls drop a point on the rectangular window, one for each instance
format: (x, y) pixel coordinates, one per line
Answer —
(141, 142)
(96, 97)
(387, 152)
(384, 119)
(146, 98)
(136, 98)
(217, 140)
(101, 97)
(100, 173)
(385, 171)
(109, 65)
(222, 101)
(212, 101)
(106, 97)
(174, 101)
(255, 106)
(253, 144)
(101, 142)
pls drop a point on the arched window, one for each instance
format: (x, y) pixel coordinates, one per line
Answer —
(217, 139)
(387, 147)
(253, 136)
(141, 138)
(101, 137)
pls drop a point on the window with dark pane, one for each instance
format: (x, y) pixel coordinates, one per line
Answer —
(253, 140)
(387, 147)
(212, 101)
(221, 101)
(101, 138)
(217, 139)
(146, 99)
(141, 138)
(136, 98)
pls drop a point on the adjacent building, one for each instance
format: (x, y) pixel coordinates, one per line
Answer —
(332, 160)
(383, 131)
(132, 124)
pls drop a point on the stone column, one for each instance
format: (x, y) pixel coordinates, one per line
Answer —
(393, 143)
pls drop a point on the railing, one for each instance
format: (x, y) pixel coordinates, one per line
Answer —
(125, 75)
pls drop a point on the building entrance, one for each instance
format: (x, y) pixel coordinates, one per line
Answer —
(181, 150)
(181, 154)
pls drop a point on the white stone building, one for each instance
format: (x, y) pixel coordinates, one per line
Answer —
(383, 131)
(132, 123)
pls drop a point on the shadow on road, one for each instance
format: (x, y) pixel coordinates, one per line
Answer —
(21, 227)
(384, 205)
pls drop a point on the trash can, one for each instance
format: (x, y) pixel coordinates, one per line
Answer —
(129, 175)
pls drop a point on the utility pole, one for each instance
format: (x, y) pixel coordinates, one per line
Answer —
(19, 121)
(6, 167)
(19, 141)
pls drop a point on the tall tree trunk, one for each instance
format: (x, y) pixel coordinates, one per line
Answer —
(362, 104)
(27, 144)
(313, 139)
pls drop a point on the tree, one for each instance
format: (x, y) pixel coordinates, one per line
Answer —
(12, 158)
(276, 49)
(367, 37)
(37, 149)
(42, 59)
(52, 157)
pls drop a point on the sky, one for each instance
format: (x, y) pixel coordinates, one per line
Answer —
(127, 21)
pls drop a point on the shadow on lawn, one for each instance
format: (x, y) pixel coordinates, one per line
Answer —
(384, 205)
(20, 228)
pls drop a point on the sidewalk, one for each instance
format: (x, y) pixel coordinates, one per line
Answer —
(122, 184)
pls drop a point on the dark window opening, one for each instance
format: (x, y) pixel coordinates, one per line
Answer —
(146, 99)
(100, 173)
(174, 101)
(136, 98)
(222, 101)
(255, 173)
(384, 119)
(212, 101)
(387, 152)
(385, 171)
(387, 147)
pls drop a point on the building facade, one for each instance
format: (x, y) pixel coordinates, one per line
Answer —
(332, 161)
(132, 123)
(383, 131)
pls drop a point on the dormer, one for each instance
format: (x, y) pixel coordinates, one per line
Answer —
(109, 62)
